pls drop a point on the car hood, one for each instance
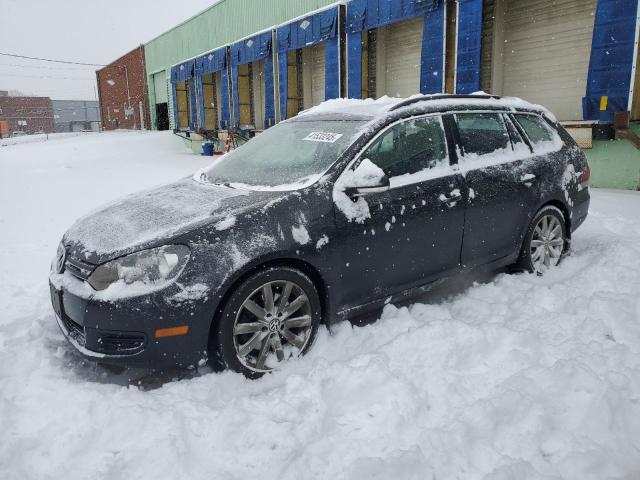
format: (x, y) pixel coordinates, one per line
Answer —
(150, 217)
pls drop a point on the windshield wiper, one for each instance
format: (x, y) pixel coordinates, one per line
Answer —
(204, 178)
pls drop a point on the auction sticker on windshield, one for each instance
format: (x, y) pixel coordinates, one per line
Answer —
(326, 137)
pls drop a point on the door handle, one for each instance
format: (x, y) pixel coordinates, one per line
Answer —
(528, 178)
(451, 198)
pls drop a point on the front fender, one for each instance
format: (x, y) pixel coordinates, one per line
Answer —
(294, 229)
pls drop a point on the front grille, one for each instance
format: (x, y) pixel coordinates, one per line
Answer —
(78, 268)
(120, 342)
(75, 330)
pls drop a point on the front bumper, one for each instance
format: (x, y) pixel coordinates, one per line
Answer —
(124, 332)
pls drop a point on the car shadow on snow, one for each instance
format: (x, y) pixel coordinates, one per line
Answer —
(438, 292)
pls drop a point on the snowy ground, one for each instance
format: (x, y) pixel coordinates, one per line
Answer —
(39, 137)
(510, 377)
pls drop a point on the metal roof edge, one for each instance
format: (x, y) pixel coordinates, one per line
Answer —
(264, 30)
(218, 2)
(313, 12)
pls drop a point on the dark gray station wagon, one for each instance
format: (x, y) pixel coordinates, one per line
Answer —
(325, 216)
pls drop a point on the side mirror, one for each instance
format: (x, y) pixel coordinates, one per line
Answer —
(366, 178)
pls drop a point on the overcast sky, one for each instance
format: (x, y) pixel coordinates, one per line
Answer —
(89, 31)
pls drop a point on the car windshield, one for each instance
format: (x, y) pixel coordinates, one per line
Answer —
(287, 156)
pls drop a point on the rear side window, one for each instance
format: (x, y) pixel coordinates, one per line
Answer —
(410, 147)
(482, 133)
(536, 129)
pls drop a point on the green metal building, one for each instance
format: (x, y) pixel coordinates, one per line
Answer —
(223, 23)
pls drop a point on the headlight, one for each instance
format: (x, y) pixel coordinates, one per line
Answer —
(57, 265)
(154, 267)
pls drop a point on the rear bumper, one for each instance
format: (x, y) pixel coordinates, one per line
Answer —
(580, 209)
(124, 333)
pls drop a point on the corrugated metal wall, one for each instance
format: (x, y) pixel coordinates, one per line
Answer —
(172, 118)
(486, 52)
(223, 23)
(160, 86)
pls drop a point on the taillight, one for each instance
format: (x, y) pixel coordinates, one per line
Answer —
(585, 176)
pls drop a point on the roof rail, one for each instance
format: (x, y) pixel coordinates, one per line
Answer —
(423, 98)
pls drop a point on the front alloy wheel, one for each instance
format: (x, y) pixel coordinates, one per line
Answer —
(273, 323)
(271, 317)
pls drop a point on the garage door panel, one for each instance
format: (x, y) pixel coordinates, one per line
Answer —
(258, 93)
(547, 45)
(314, 74)
(400, 46)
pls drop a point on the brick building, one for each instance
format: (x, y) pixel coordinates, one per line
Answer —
(27, 114)
(122, 89)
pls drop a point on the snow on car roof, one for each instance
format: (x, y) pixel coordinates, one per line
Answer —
(367, 108)
(371, 109)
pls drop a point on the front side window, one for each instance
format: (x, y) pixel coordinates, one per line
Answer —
(410, 147)
(482, 134)
(539, 133)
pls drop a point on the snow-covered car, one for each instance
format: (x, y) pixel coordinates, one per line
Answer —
(336, 212)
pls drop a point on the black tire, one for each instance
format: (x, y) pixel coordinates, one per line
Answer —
(225, 345)
(526, 261)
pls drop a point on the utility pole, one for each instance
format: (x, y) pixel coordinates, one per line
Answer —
(130, 109)
(95, 96)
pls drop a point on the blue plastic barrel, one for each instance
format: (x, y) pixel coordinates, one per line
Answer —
(207, 149)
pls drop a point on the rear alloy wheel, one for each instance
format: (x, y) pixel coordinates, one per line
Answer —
(545, 242)
(272, 316)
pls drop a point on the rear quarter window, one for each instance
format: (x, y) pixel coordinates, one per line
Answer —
(542, 137)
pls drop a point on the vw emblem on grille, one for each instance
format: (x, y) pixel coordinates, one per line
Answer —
(61, 256)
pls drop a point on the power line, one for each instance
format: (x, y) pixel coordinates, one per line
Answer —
(43, 67)
(51, 60)
(47, 76)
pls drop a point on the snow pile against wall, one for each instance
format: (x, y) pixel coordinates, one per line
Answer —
(513, 376)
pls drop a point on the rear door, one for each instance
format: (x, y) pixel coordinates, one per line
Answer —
(413, 233)
(501, 178)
